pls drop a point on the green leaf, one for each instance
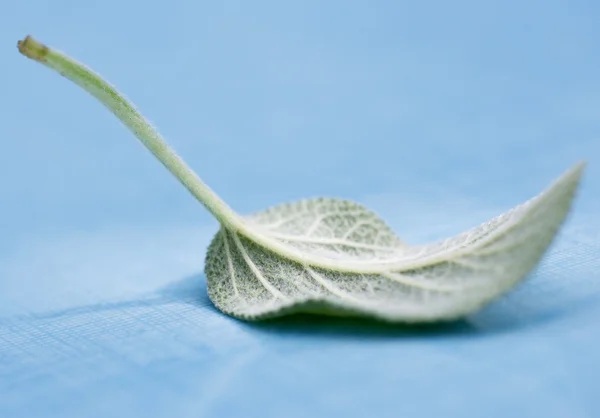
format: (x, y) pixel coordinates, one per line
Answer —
(336, 257)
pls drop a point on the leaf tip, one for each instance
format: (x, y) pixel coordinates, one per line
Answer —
(570, 178)
(579, 168)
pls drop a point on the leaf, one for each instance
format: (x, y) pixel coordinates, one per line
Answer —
(336, 257)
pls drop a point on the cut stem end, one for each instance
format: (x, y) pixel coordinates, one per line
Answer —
(33, 49)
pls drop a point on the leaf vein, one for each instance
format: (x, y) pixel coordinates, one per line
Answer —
(272, 289)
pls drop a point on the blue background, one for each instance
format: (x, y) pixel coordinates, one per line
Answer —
(437, 115)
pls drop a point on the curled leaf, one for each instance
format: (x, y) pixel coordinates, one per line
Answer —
(337, 257)
(334, 256)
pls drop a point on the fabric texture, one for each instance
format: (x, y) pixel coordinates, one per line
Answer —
(436, 117)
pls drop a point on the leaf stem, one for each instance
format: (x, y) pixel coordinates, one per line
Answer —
(134, 121)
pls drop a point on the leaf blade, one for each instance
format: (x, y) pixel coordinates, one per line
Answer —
(390, 281)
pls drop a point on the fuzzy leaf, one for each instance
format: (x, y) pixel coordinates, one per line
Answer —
(336, 257)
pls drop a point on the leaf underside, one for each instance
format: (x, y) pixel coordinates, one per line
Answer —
(384, 278)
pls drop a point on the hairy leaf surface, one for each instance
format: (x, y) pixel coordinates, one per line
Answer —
(337, 257)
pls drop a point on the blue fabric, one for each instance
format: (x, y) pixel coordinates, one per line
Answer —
(437, 116)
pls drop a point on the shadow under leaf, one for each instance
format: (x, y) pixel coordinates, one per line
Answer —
(192, 290)
(505, 315)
